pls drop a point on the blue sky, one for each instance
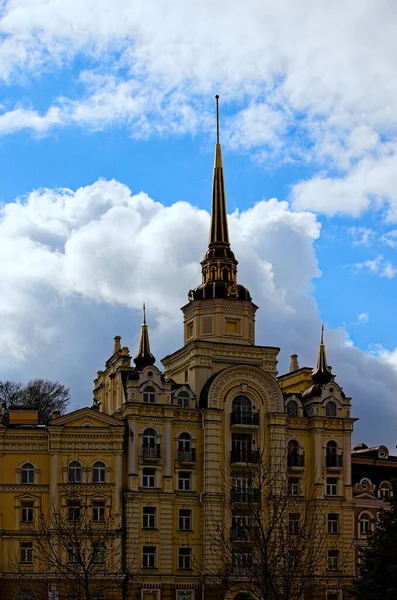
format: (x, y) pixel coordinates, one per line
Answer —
(106, 153)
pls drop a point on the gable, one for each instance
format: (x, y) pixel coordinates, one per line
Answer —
(86, 417)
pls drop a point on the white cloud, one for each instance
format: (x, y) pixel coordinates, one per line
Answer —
(362, 236)
(363, 318)
(17, 119)
(378, 266)
(84, 260)
(313, 81)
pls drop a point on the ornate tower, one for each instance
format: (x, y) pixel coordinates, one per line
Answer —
(219, 318)
(219, 309)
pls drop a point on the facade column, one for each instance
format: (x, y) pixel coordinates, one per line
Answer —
(167, 449)
(54, 481)
(132, 466)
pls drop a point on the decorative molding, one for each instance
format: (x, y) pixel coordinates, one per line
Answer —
(261, 382)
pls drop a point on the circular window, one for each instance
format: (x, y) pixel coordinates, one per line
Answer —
(150, 373)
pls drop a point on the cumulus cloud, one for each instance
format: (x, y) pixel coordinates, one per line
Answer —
(76, 266)
(378, 266)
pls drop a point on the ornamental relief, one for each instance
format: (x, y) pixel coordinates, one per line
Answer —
(260, 381)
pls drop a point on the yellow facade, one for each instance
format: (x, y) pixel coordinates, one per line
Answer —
(176, 445)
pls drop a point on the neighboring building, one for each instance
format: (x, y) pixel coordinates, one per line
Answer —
(175, 443)
(373, 472)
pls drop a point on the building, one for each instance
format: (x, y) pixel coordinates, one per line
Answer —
(373, 472)
(180, 446)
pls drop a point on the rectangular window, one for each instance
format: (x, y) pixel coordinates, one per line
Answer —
(149, 478)
(333, 560)
(99, 553)
(98, 511)
(293, 486)
(182, 595)
(185, 519)
(333, 523)
(72, 554)
(184, 558)
(331, 487)
(293, 523)
(26, 552)
(149, 557)
(149, 517)
(74, 511)
(27, 512)
(184, 481)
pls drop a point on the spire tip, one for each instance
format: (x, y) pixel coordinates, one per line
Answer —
(217, 118)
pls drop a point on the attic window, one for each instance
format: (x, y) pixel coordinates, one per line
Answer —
(87, 424)
(381, 454)
(365, 483)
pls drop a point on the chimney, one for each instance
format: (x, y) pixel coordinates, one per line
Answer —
(117, 344)
(293, 366)
(56, 414)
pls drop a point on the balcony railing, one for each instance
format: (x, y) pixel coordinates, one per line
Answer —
(239, 417)
(248, 495)
(333, 461)
(151, 452)
(242, 455)
(232, 570)
(240, 534)
(296, 459)
(187, 455)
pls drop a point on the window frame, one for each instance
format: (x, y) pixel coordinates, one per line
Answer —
(146, 475)
(149, 394)
(74, 511)
(333, 559)
(295, 411)
(149, 519)
(99, 472)
(184, 558)
(331, 409)
(183, 399)
(149, 557)
(28, 470)
(98, 511)
(184, 481)
(26, 553)
(75, 468)
(185, 519)
(328, 488)
(27, 511)
(333, 524)
(364, 517)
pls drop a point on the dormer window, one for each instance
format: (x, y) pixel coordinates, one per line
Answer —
(183, 399)
(385, 490)
(330, 409)
(365, 483)
(292, 408)
(149, 395)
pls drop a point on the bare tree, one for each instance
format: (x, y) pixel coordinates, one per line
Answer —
(77, 547)
(273, 533)
(40, 394)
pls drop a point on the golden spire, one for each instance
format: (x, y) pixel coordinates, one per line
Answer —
(219, 233)
(144, 358)
(322, 374)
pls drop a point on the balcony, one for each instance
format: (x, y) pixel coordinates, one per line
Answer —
(238, 534)
(240, 417)
(151, 453)
(334, 461)
(232, 570)
(247, 495)
(243, 455)
(296, 460)
(188, 456)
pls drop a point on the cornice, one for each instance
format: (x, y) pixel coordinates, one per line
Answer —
(17, 487)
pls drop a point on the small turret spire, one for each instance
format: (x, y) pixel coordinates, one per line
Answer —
(322, 374)
(144, 358)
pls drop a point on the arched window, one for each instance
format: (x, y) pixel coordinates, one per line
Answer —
(150, 447)
(27, 473)
(385, 490)
(25, 596)
(292, 408)
(243, 411)
(365, 483)
(183, 399)
(243, 596)
(184, 442)
(75, 472)
(295, 458)
(330, 409)
(332, 456)
(149, 394)
(99, 473)
(364, 523)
